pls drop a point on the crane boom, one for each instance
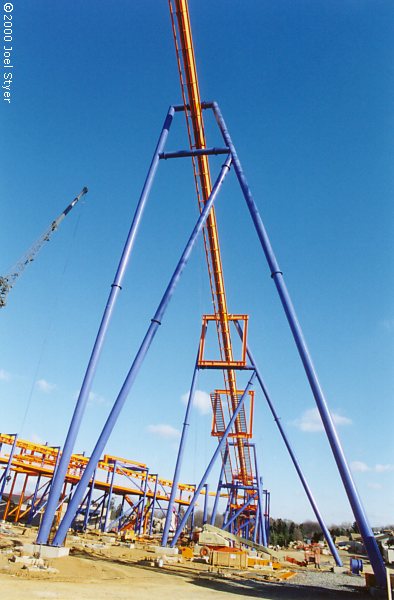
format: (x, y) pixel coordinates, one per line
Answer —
(195, 126)
(8, 281)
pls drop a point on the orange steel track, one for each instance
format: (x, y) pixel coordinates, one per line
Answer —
(195, 126)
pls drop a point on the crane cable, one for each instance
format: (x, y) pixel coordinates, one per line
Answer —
(51, 320)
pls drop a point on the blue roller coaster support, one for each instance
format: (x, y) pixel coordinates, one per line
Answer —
(138, 360)
(256, 538)
(293, 457)
(89, 500)
(4, 478)
(153, 504)
(179, 459)
(259, 485)
(108, 510)
(277, 275)
(227, 524)
(206, 498)
(220, 484)
(80, 407)
(219, 448)
(140, 520)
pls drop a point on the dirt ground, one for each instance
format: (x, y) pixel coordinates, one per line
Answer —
(100, 570)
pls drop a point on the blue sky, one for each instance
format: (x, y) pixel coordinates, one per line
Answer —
(306, 89)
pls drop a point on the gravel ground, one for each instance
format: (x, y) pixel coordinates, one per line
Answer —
(330, 581)
(305, 586)
(113, 572)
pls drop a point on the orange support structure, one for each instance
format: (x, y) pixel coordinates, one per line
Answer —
(236, 364)
(219, 424)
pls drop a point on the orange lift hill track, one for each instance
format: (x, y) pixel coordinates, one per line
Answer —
(195, 126)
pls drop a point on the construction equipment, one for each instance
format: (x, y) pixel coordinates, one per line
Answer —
(212, 535)
(8, 281)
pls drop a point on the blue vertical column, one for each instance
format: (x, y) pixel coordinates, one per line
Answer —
(260, 495)
(34, 497)
(33, 501)
(179, 459)
(256, 530)
(142, 507)
(228, 505)
(111, 488)
(79, 410)
(104, 504)
(205, 512)
(220, 483)
(121, 514)
(138, 360)
(293, 457)
(222, 442)
(267, 517)
(239, 512)
(192, 517)
(153, 504)
(8, 467)
(365, 529)
(89, 501)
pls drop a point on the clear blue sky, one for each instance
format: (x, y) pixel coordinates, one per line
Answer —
(307, 92)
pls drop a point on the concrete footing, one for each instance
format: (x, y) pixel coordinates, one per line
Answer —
(163, 550)
(45, 551)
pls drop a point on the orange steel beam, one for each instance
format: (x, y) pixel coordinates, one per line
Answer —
(99, 485)
(45, 457)
(193, 110)
(36, 460)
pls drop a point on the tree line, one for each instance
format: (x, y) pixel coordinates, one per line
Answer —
(284, 531)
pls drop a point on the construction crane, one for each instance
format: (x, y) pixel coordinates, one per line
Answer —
(238, 466)
(8, 281)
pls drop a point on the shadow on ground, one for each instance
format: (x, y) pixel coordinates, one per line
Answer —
(279, 591)
(247, 588)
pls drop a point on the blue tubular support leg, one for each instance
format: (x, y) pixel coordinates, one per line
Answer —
(260, 495)
(139, 359)
(365, 529)
(37, 487)
(256, 539)
(79, 410)
(33, 501)
(179, 459)
(142, 507)
(239, 512)
(153, 505)
(8, 467)
(111, 487)
(120, 514)
(263, 529)
(293, 457)
(179, 506)
(205, 512)
(89, 502)
(219, 448)
(102, 516)
(267, 514)
(193, 517)
(220, 483)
